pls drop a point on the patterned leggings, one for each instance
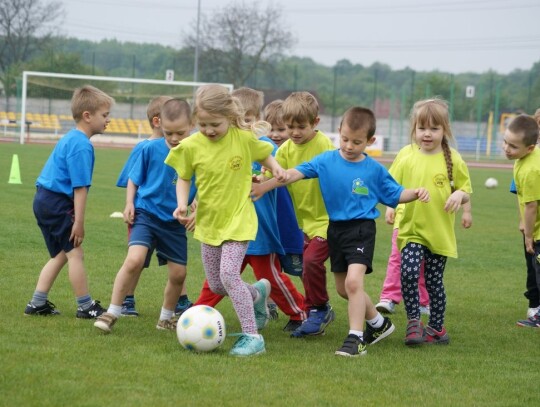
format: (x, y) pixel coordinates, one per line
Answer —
(411, 259)
(222, 266)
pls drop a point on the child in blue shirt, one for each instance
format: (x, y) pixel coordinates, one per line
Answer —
(151, 200)
(153, 113)
(352, 184)
(60, 203)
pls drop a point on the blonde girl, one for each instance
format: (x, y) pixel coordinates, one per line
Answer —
(220, 155)
(426, 231)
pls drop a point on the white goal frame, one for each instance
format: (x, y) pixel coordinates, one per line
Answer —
(27, 74)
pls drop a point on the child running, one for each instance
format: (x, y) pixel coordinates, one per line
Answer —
(352, 185)
(220, 157)
(60, 203)
(426, 232)
(150, 202)
(153, 111)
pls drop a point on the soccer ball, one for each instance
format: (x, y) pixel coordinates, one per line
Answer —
(491, 183)
(201, 329)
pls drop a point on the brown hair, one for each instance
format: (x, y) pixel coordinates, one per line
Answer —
(300, 107)
(154, 108)
(252, 101)
(527, 126)
(174, 109)
(88, 99)
(434, 112)
(273, 112)
(357, 118)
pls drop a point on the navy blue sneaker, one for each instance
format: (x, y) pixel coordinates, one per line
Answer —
(353, 346)
(182, 305)
(93, 312)
(46, 309)
(128, 309)
(315, 323)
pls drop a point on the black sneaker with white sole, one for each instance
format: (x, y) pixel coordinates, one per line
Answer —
(46, 309)
(93, 312)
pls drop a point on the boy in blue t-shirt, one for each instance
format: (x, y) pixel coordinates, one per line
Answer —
(153, 114)
(150, 203)
(60, 203)
(352, 184)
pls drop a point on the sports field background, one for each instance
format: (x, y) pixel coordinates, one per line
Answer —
(54, 361)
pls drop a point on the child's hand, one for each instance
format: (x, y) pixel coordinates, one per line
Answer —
(257, 192)
(280, 174)
(77, 234)
(190, 224)
(129, 213)
(466, 220)
(422, 194)
(180, 214)
(390, 216)
(454, 202)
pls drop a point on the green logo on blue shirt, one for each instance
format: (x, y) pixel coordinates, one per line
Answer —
(359, 188)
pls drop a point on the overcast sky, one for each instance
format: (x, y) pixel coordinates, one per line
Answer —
(453, 36)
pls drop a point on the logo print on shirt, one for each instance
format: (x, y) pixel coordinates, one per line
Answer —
(359, 188)
(236, 163)
(439, 180)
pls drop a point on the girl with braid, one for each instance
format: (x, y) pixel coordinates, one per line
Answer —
(426, 231)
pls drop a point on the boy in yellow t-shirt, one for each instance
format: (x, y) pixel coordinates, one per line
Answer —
(519, 144)
(301, 116)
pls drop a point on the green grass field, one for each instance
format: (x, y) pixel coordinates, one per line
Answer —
(57, 361)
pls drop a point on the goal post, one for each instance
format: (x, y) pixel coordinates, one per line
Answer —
(123, 89)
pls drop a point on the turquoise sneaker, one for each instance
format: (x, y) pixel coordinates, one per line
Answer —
(248, 345)
(262, 313)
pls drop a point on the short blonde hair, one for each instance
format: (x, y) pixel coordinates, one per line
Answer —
(87, 98)
(300, 107)
(273, 112)
(154, 108)
(252, 101)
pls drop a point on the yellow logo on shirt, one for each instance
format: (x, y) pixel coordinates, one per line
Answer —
(439, 180)
(236, 163)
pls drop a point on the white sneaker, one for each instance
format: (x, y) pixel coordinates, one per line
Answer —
(386, 307)
(424, 309)
(531, 312)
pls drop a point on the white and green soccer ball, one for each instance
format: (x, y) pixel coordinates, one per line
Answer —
(201, 329)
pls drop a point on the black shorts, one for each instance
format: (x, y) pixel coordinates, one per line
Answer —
(55, 215)
(351, 242)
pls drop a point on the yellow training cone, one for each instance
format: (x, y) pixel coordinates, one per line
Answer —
(15, 174)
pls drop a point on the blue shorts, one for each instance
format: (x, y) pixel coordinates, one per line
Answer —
(147, 260)
(168, 238)
(351, 242)
(54, 213)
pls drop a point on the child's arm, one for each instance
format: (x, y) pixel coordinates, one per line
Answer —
(79, 203)
(258, 190)
(455, 200)
(182, 195)
(466, 216)
(409, 195)
(529, 218)
(279, 173)
(129, 210)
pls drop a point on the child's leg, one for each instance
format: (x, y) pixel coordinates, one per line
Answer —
(392, 283)
(242, 294)
(411, 259)
(130, 270)
(49, 272)
(314, 275)
(424, 296)
(173, 288)
(77, 272)
(283, 291)
(434, 268)
(350, 285)
(207, 296)
(532, 282)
